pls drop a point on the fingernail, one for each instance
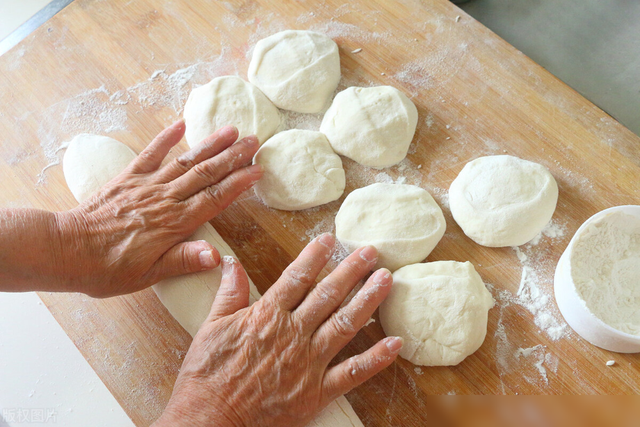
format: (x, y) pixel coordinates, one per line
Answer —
(382, 277)
(369, 254)
(228, 132)
(394, 344)
(228, 263)
(255, 169)
(327, 240)
(178, 123)
(206, 260)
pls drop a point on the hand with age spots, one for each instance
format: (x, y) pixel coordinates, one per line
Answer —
(263, 365)
(268, 364)
(132, 233)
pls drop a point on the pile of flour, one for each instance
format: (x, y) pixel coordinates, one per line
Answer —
(605, 267)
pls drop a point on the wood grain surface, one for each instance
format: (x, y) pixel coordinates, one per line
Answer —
(124, 69)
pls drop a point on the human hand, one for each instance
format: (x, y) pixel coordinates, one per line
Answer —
(267, 364)
(132, 233)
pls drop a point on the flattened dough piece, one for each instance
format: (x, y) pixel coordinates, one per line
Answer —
(188, 298)
(300, 171)
(372, 125)
(297, 70)
(440, 309)
(403, 222)
(229, 100)
(503, 200)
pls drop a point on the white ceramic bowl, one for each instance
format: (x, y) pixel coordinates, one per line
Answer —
(574, 308)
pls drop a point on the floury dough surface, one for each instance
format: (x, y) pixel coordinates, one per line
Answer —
(440, 309)
(301, 171)
(605, 267)
(297, 70)
(503, 201)
(403, 222)
(229, 100)
(90, 162)
(373, 126)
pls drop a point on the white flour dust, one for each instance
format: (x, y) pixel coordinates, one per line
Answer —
(103, 110)
(293, 120)
(532, 295)
(535, 294)
(541, 361)
(521, 360)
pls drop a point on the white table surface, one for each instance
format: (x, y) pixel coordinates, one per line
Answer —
(44, 380)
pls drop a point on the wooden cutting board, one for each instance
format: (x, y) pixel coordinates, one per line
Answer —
(124, 69)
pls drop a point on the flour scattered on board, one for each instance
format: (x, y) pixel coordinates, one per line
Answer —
(541, 361)
(293, 120)
(103, 111)
(538, 300)
(87, 112)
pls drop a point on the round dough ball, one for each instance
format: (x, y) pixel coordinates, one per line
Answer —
(91, 161)
(229, 100)
(403, 222)
(300, 171)
(297, 70)
(440, 309)
(372, 125)
(503, 200)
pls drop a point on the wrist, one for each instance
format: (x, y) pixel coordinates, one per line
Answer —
(71, 248)
(190, 408)
(193, 417)
(32, 251)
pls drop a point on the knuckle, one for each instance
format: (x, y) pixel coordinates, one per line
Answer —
(328, 294)
(351, 372)
(215, 195)
(343, 325)
(299, 276)
(147, 156)
(235, 156)
(184, 163)
(205, 171)
(186, 261)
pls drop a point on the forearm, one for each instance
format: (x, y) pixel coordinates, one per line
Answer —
(31, 251)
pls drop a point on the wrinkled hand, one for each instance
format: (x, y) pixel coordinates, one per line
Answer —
(267, 364)
(132, 233)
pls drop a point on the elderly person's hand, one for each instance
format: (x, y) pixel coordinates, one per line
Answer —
(132, 233)
(267, 364)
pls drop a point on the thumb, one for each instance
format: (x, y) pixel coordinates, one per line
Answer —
(184, 258)
(233, 294)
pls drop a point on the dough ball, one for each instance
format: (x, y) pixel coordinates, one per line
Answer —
(91, 161)
(297, 70)
(403, 222)
(229, 100)
(372, 125)
(503, 200)
(440, 309)
(301, 171)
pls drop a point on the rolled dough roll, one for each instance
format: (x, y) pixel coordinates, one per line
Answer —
(89, 163)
